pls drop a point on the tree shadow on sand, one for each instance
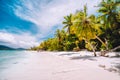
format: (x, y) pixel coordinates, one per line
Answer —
(117, 66)
(68, 54)
(92, 58)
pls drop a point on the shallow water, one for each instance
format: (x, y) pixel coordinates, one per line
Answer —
(9, 58)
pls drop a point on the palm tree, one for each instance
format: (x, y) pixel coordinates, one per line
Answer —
(109, 10)
(85, 27)
(60, 35)
(109, 18)
(68, 23)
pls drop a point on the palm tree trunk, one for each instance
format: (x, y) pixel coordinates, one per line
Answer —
(102, 42)
(69, 30)
(118, 47)
(93, 48)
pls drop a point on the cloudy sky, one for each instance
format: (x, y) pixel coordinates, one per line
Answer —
(25, 23)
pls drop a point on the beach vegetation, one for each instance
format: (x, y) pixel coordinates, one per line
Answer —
(92, 32)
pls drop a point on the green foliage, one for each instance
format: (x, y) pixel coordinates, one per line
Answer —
(68, 23)
(88, 31)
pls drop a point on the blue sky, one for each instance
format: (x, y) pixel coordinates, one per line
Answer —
(25, 23)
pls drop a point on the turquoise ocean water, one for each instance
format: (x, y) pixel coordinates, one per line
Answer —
(9, 58)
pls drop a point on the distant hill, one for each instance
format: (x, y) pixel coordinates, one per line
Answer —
(20, 49)
(3, 47)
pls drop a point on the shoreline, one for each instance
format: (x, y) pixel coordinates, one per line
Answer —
(64, 66)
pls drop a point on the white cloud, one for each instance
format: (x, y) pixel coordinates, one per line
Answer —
(46, 14)
(6, 37)
(24, 40)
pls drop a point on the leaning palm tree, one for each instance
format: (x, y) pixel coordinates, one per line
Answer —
(87, 27)
(84, 27)
(68, 23)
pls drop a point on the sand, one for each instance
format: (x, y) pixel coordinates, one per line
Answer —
(65, 66)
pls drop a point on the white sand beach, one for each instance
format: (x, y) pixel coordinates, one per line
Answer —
(64, 66)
